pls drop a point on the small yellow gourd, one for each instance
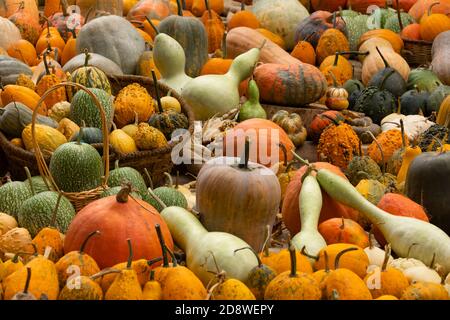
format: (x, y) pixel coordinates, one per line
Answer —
(68, 128)
(140, 266)
(47, 138)
(122, 142)
(408, 157)
(152, 289)
(148, 137)
(10, 266)
(170, 103)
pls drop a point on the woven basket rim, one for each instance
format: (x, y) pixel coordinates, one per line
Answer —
(418, 42)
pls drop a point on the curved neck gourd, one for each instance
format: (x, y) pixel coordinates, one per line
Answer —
(242, 66)
(310, 204)
(169, 56)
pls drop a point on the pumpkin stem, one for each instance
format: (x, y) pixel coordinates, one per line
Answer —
(340, 254)
(27, 281)
(308, 37)
(399, 16)
(284, 151)
(116, 164)
(122, 195)
(335, 84)
(381, 151)
(242, 6)
(335, 295)
(104, 272)
(336, 58)
(432, 261)
(387, 254)
(55, 211)
(224, 44)
(172, 255)
(180, 8)
(153, 261)
(152, 275)
(306, 254)
(89, 236)
(169, 179)
(150, 181)
(402, 130)
(293, 258)
(157, 199)
(155, 83)
(163, 246)
(327, 261)
(130, 254)
(343, 223)
(289, 166)
(431, 7)
(47, 70)
(152, 25)
(302, 161)
(254, 252)
(386, 64)
(246, 154)
(262, 44)
(64, 6)
(27, 171)
(334, 20)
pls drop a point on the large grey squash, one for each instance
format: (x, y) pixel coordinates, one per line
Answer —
(9, 33)
(106, 65)
(10, 69)
(114, 38)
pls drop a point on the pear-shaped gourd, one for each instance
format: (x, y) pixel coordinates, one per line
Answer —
(170, 61)
(212, 94)
(252, 108)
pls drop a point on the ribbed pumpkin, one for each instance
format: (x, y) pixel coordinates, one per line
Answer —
(214, 28)
(91, 77)
(24, 51)
(389, 35)
(133, 98)
(330, 42)
(432, 24)
(243, 18)
(48, 81)
(199, 6)
(111, 216)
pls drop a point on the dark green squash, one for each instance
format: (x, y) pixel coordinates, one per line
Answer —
(413, 102)
(427, 183)
(191, 34)
(423, 79)
(352, 98)
(89, 135)
(353, 85)
(376, 102)
(435, 99)
(12, 195)
(393, 83)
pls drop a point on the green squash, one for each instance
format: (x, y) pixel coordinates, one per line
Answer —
(191, 35)
(11, 68)
(89, 135)
(356, 27)
(119, 176)
(379, 17)
(90, 77)
(170, 197)
(362, 167)
(115, 190)
(423, 79)
(348, 13)
(435, 99)
(392, 22)
(252, 108)
(83, 108)
(37, 212)
(14, 117)
(353, 85)
(12, 195)
(413, 102)
(76, 166)
(39, 184)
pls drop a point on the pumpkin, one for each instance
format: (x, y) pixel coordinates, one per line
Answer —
(411, 32)
(292, 124)
(321, 121)
(50, 237)
(425, 291)
(26, 96)
(408, 156)
(314, 25)
(337, 145)
(330, 207)
(389, 141)
(291, 85)
(23, 50)
(420, 8)
(272, 37)
(107, 215)
(339, 66)
(148, 28)
(330, 42)
(432, 24)
(48, 81)
(149, 138)
(91, 77)
(25, 81)
(50, 39)
(243, 18)
(153, 9)
(103, 36)
(340, 230)
(152, 289)
(26, 18)
(304, 52)
(146, 63)
(87, 288)
(214, 27)
(280, 17)
(191, 35)
(439, 64)
(9, 33)
(130, 99)
(199, 7)
(336, 96)
(291, 285)
(231, 215)
(362, 167)
(389, 35)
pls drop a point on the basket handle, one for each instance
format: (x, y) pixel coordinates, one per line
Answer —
(42, 165)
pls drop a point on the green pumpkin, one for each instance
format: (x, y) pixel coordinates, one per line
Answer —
(91, 77)
(119, 176)
(115, 190)
(392, 22)
(83, 108)
(362, 167)
(356, 27)
(168, 121)
(12, 195)
(37, 212)
(191, 35)
(353, 85)
(435, 99)
(89, 135)
(423, 80)
(413, 102)
(39, 184)
(76, 167)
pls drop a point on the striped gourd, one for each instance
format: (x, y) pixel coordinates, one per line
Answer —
(356, 26)
(168, 121)
(76, 167)
(37, 212)
(119, 176)
(39, 185)
(83, 107)
(12, 195)
(91, 77)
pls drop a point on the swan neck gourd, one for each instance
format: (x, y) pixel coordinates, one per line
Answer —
(310, 203)
(242, 66)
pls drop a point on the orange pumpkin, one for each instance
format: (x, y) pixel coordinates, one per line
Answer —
(243, 18)
(214, 27)
(147, 27)
(70, 49)
(52, 39)
(153, 9)
(411, 32)
(432, 24)
(330, 207)
(23, 95)
(265, 137)
(340, 230)
(421, 7)
(26, 18)
(216, 66)
(199, 7)
(24, 51)
(272, 37)
(118, 218)
(305, 52)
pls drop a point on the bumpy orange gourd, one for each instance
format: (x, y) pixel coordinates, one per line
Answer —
(425, 291)
(48, 81)
(340, 230)
(231, 289)
(214, 28)
(305, 52)
(389, 141)
(339, 66)
(25, 81)
(24, 51)
(50, 237)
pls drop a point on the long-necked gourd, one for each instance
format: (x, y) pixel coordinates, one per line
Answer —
(170, 61)
(310, 201)
(409, 237)
(203, 247)
(211, 95)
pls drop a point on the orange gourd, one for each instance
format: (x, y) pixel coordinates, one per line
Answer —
(26, 18)
(28, 97)
(48, 81)
(340, 230)
(52, 39)
(51, 7)
(24, 51)
(304, 51)
(145, 36)
(199, 7)
(432, 24)
(411, 32)
(70, 49)
(272, 37)
(147, 26)
(214, 28)
(243, 18)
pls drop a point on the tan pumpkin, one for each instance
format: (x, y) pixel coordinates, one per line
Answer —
(394, 39)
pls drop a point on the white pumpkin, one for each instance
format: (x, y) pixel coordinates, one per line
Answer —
(422, 274)
(406, 263)
(9, 33)
(414, 125)
(376, 256)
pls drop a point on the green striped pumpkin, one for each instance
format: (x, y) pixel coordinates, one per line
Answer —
(91, 77)
(84, 108)
(76, 167)
(168, 121)
(115, 190)
(356, 27)
(119, 176)
(12, 195)
(36, 212)
(39, 184)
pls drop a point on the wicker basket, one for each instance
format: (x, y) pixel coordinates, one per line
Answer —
(78, 199)
(155, 161)
(417, 52)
